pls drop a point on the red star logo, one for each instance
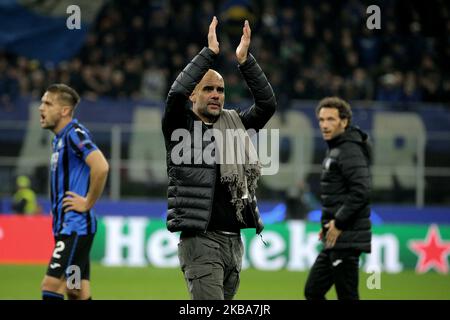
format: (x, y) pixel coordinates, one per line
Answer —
(432, 252)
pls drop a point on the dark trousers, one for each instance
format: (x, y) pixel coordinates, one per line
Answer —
(338, 267)
(211, 263)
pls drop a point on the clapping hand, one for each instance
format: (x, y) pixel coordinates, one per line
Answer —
(213, 44)
(242, 49)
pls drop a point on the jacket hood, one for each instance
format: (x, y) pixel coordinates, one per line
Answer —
(355, 135)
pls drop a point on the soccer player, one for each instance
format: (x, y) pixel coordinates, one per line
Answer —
(78, 176)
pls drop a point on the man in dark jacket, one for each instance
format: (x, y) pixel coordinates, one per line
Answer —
(211, 201)
(345, 195)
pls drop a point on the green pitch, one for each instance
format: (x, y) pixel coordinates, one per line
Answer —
(23, 282)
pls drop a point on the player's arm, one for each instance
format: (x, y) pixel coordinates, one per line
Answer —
(265, 103)
(99, 173)
(355, 170)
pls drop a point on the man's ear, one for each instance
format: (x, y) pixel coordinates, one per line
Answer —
(67, 111)
(193, 97)
(345, 122)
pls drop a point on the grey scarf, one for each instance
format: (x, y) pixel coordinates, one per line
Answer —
(240, 168)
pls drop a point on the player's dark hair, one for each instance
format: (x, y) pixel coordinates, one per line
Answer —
(66, 95)
(344, 109)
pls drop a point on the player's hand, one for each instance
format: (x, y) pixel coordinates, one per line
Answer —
(213, 44)
(75, 202)
(332, 234)
(242, 49)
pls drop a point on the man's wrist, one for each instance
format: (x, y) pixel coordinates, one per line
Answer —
(338, 224)
(209, 51)
(243, 61)
(249, 61)
(89, 203)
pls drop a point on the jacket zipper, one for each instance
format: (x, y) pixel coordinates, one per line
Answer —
(212, 196)
(254, 214)
(212, 200)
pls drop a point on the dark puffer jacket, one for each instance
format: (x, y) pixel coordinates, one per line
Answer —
(191, 186)
(346, 188)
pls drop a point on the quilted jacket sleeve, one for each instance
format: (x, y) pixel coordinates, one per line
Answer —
(265, 102)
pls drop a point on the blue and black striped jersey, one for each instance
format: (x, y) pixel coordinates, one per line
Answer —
(69, 172)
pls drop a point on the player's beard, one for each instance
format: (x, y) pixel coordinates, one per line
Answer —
(211, 115)
(49, 123)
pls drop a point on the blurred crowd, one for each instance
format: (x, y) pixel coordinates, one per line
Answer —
(308, 49)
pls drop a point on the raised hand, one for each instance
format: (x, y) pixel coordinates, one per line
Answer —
(213, 44)
(242, 49)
